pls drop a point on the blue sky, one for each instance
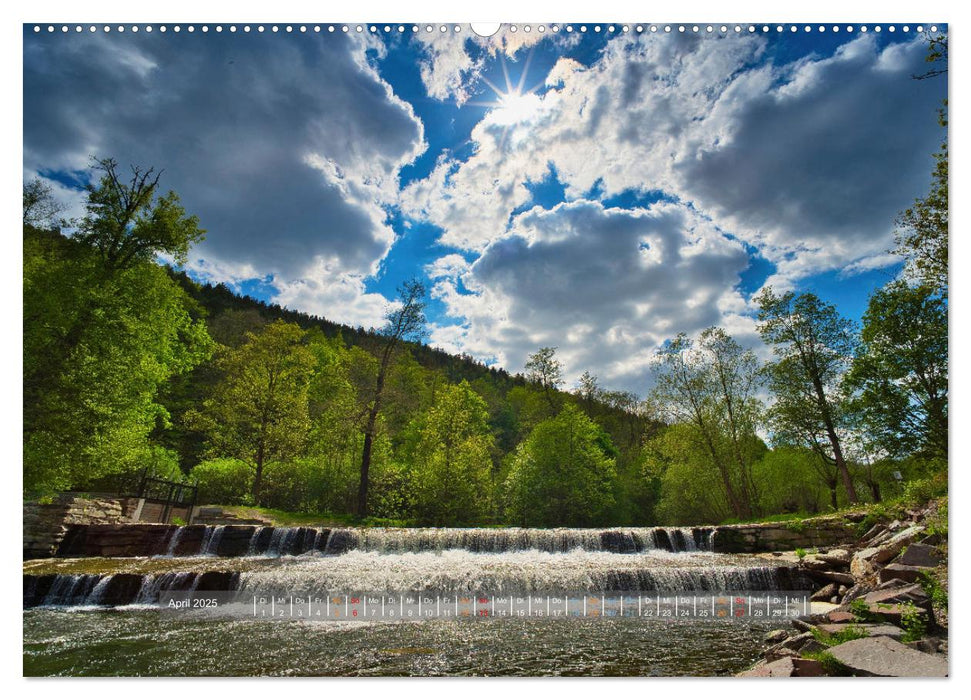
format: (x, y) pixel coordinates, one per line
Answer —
(595, 191)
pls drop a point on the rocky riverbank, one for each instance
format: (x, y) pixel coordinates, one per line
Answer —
(888, 592)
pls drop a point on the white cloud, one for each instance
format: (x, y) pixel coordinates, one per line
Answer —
(573, 277)
(288, 151)
(808, 161)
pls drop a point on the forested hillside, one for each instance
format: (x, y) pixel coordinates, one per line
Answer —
(130, 365)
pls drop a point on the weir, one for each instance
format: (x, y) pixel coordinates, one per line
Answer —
(447, 572)
(245, 561)
(246, 540)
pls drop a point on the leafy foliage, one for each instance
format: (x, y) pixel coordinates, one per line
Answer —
(561, 474)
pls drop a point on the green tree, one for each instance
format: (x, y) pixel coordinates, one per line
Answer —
(588, 390)
(562, 474)
(100, 340)
(543, 368)
(258, 412)
(922, 230)
(451, 459)
(679, 469)
(41, 209)
(405, 322)
(790, 480)
(128, 223)
(901, 371)
(709, 387)
(814, 346)
(96, 351)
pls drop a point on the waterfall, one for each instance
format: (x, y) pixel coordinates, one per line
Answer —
(295, 541)
(174, 541)
(522, 571)
(210, 543)
(153, 585)
(71, 589)
(253, 550)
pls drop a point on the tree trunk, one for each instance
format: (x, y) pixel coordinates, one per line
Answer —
(834, 441)
(874, 489)
(258, 482)
(362, 490)
(833, 495)
(841, 464)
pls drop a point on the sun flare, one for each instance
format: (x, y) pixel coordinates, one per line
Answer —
(515, 107)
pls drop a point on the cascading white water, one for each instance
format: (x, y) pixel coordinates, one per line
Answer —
(210, 543)
(71, 589)
(295, 541)
(154, 584)
(456, 570)
(174, 541)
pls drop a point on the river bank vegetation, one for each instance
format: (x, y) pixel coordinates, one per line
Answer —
(130, 365)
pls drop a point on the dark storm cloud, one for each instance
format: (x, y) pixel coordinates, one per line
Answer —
(284, 146)
(829, 155)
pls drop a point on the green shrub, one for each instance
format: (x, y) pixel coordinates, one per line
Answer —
(935, 589)
(223, 481)
(913, 621)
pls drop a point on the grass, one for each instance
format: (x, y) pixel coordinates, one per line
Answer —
(284, 518)
(831, 665)
(845, 635)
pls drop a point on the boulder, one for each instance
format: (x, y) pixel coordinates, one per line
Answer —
(928, 645)
(778, 651)
(835, 576)
(785, 668)
(802, 625)
(857, 591)
(871, 630)
(866, 561)
(873, 532)
(796, 643)
(882, 656)
(836, 557)
(901, 572)
(890, 613)
(919, 554)
(841, 616)
(775, 636)
(911, 593)
(824, 593)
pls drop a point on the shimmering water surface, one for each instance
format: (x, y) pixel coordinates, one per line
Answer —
(146, 643)
(72, 632)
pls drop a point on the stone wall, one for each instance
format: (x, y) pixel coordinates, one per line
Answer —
(45, 524)
(783, 536)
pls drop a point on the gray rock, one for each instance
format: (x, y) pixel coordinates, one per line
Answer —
(920, 555)
(877, 529)
(911, 593)
(796, 643)
(901, 572)
(839, 558)
(882, 656)
(774, 653)
(802, 625)
(775, 636)
(835, 576)
(854, 592)
(780, 668)
(824, 593)
(871, 630)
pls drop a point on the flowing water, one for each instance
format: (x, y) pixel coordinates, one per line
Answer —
(99, 616)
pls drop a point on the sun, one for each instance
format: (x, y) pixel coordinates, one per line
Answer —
(514, 107)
